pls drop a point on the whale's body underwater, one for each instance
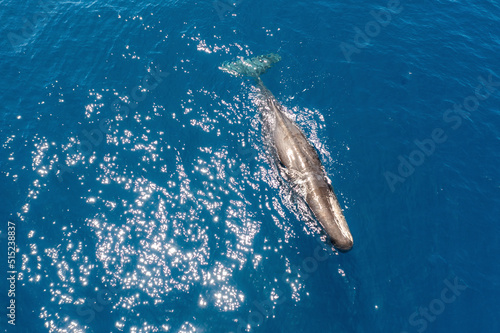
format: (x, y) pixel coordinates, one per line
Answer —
(296, 154)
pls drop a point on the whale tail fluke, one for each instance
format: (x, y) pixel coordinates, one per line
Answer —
(253, 67)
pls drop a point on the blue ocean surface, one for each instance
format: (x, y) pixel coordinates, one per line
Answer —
(141, 195)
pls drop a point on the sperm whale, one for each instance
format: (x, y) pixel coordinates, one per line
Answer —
(299, 158)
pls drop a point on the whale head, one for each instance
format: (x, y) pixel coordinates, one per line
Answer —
(344, 244)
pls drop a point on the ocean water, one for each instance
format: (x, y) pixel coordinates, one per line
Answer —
(143, 197)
